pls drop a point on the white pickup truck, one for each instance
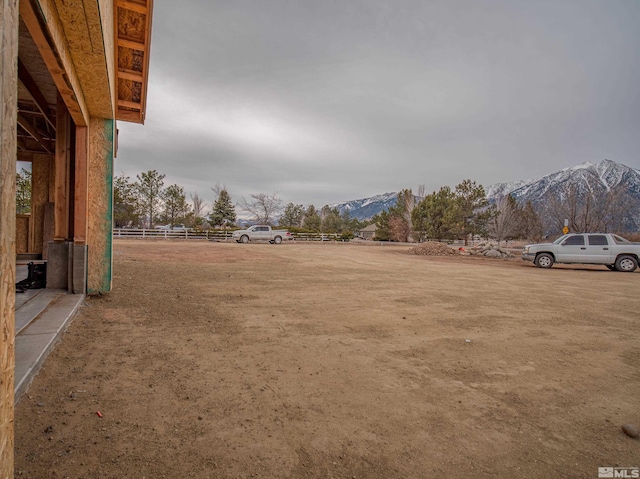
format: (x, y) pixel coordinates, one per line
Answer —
(612, 251)
(261, 233)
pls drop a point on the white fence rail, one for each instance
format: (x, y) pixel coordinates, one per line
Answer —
(171, 234)
(211, 235)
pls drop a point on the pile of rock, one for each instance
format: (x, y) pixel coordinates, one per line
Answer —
(491, 250)
(433, 248)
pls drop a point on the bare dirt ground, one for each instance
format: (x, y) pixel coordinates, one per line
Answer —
(213, 360)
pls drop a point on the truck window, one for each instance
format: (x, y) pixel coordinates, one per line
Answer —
(598, 240)
(620, 240)
(574, 240)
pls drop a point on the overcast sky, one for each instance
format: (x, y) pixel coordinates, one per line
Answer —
(323, 101)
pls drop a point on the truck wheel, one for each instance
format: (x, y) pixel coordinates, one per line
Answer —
(544, 260)
(244, 239)
(277, 240)
(626, 264)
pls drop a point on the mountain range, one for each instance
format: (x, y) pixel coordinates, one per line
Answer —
(603, 176)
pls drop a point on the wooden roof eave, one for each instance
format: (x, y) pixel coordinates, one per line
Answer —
(133, 40)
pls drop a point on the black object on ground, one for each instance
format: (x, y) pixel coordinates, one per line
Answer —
(36, 279)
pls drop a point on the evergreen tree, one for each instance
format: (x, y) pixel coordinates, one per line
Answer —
(435, 216)
(381, 221)
(126, 207)
(312, 220)
(331, 221)
(350, 224)
(472, 211)
(149, 188)
(176, 207)
(224, 213)
(293, 216)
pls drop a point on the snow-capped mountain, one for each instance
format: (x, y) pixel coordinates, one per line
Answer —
(605, 175)
(598, 178)
(366, 208)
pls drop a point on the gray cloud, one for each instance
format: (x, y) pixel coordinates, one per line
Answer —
(335, 100)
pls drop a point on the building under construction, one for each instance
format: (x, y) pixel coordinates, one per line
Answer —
(69, 71)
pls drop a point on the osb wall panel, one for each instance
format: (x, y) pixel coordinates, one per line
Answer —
(100, 200)
(83, 21)
(22, 233)
(8, 117)
(41, 171)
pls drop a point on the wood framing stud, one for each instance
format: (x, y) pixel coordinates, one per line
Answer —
(61, 174)
(29, 128)
(81, 211)
(8, 135)
(30, 85)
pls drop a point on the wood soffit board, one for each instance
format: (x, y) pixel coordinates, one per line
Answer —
(83, 30)
(132, 48)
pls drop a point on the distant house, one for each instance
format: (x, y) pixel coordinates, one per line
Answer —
(368, 232)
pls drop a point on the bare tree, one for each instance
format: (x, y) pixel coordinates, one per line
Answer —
(504, 224)
(530, 224)
(399, 229)
(217, 189)
(588, 209)
(263, 207)
(198, 205)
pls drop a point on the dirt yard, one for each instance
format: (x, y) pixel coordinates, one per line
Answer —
(213, 360)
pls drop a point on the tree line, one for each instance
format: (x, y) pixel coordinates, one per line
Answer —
(449, 213)
(459, 213)
(464, 212)
(146, 202)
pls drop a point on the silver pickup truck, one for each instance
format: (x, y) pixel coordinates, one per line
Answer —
(612, 251)
(261, 233)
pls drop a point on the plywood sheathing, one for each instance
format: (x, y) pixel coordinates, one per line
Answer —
(8, 140)
(133, 32)
(100, 197)
(22, 233)
(43, 22)
(89, 33)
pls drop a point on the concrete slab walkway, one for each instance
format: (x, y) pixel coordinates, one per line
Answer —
(41, 318)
